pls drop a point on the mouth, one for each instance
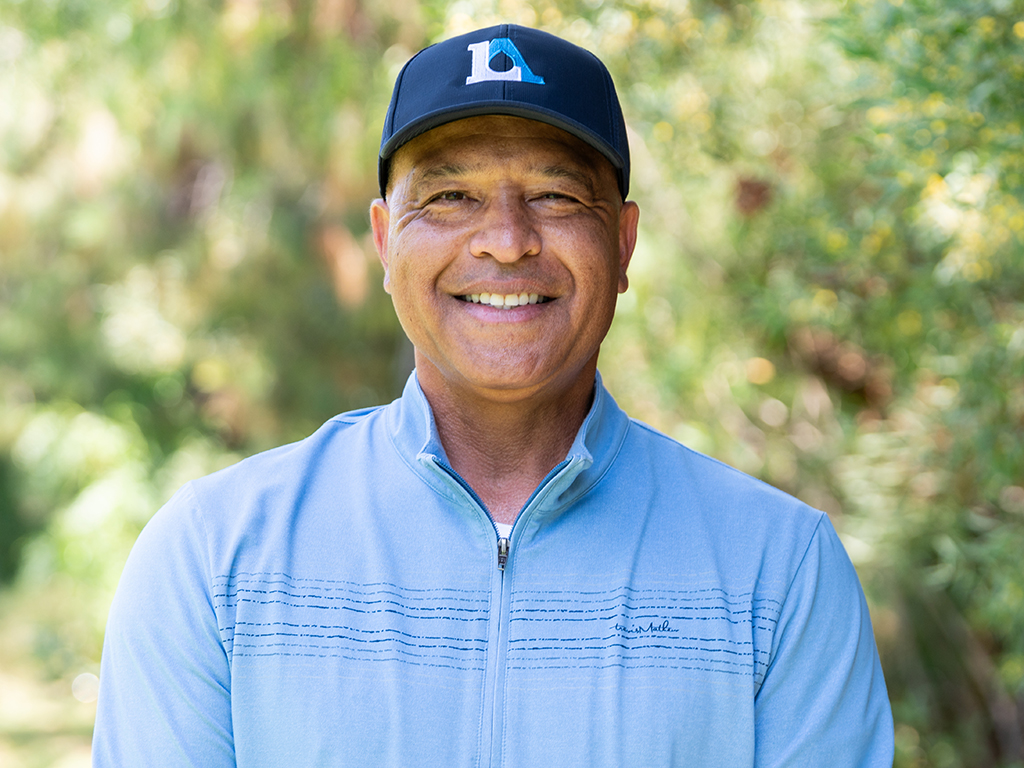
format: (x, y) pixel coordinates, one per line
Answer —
(505, 301)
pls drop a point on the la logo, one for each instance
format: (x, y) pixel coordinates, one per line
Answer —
(483, 55)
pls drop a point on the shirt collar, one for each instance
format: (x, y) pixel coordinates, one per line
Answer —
(414, 433)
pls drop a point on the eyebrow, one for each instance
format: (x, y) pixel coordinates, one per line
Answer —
(570, 174)
(446, 171)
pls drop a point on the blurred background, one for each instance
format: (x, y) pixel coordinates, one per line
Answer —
(828, 293)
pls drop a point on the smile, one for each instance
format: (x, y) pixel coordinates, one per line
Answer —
(505, 301)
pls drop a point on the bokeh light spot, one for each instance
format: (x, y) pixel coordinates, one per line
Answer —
(760, 370)
(86, 687)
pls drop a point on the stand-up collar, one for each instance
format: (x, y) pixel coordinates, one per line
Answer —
(414, 433)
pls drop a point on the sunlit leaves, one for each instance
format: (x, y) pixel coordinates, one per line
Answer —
(827, 291)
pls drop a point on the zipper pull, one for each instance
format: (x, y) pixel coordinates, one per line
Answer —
(502, 553)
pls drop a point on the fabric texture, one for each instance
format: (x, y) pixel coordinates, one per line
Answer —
(339, 602)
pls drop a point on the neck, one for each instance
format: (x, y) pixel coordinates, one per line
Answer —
(503, 445)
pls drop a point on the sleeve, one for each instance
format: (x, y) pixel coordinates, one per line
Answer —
(165, 697)
(823, 699)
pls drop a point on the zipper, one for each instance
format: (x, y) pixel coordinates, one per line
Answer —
(492, 735)
(498, 637)
(502, 553)
(492, 713)
(494, 695)
(503, 543)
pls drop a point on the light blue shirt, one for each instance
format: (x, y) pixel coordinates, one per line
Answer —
(339, 602)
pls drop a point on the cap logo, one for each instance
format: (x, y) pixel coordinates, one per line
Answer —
(483, 55)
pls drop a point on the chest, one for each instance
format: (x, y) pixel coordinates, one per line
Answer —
(545, 662)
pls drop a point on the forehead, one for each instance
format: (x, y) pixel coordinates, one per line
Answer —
(464, 145)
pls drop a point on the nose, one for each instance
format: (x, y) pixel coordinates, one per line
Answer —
(506, 231)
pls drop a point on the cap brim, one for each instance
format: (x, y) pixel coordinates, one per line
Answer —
(441, 117)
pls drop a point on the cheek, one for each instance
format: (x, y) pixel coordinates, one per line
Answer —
(591, 258)
(418, 261)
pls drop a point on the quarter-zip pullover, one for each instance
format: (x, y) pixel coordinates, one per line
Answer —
(347, 601)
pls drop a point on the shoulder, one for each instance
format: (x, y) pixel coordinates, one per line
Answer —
(703, 476)
(260, 495)
(345, 433)
(734, 517)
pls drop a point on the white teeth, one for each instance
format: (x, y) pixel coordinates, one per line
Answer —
(508, 301)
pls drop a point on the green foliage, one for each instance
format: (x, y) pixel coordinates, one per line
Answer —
(186, 271)
(828, 291)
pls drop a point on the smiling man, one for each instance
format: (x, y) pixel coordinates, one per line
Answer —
(505, 242)
(500, 567)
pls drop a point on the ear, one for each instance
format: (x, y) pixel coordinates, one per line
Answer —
(629, 218)
(380, 218)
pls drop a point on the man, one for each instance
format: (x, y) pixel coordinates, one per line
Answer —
(499, 568)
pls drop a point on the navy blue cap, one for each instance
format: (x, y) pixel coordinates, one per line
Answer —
(537, 76)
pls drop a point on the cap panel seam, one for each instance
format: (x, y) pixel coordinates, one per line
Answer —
(393, 113)
(609, 95)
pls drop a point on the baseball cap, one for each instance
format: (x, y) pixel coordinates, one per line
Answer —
(507, 70)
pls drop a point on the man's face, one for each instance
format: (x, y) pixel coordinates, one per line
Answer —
(504, 242)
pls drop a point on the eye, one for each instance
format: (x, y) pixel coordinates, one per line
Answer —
(557, 198)
(451, 195)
